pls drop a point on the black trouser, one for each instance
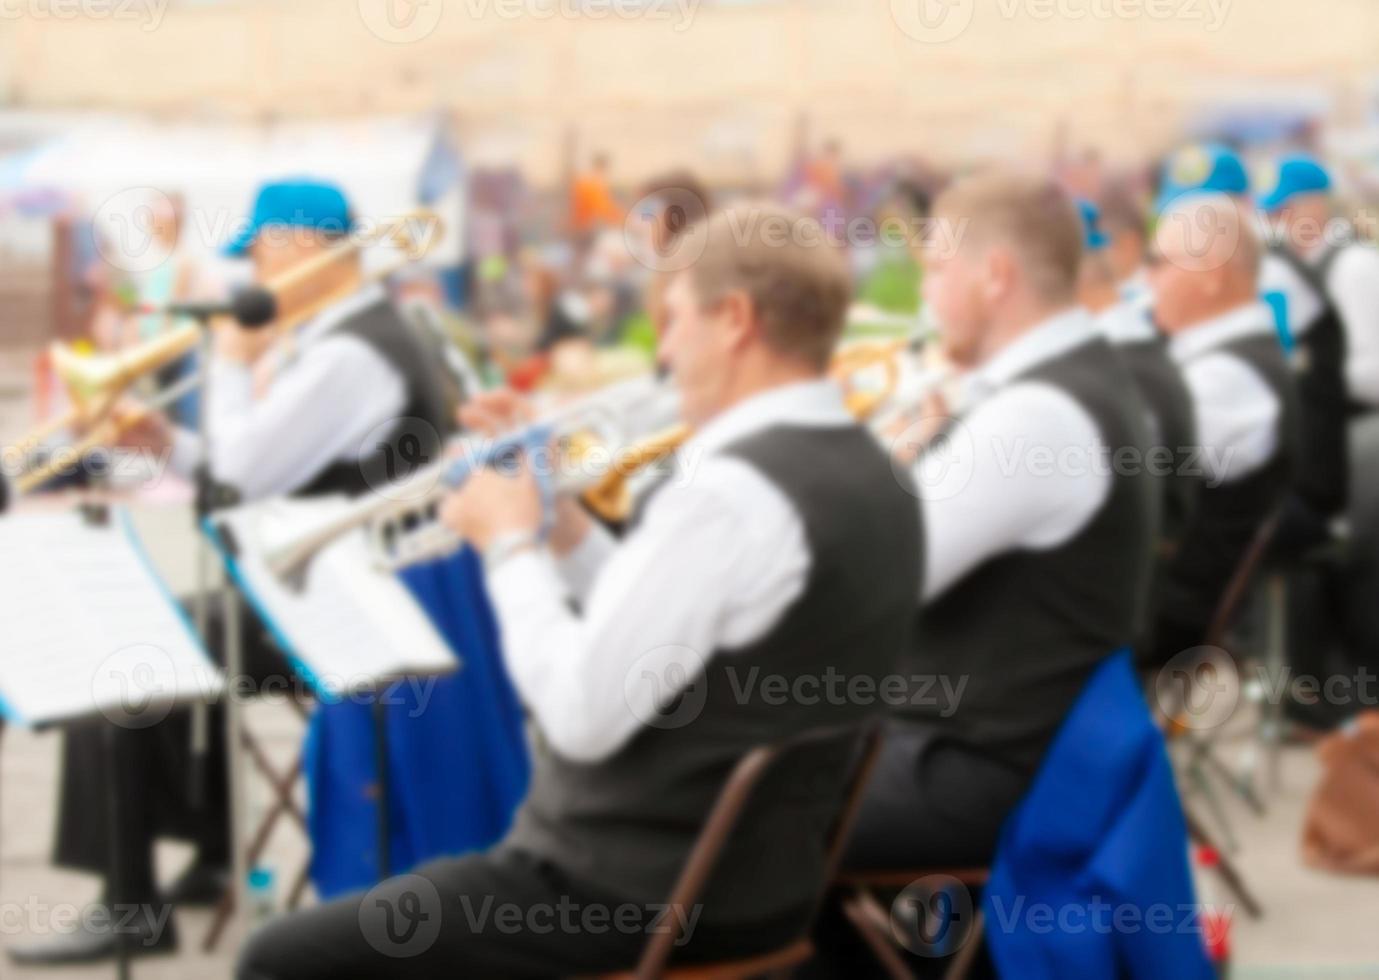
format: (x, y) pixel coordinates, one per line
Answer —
(494, 915)
(932, 803)
(151, 775)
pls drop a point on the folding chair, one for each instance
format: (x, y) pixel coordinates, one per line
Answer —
(283, 787)
(871, 920)
(718, 829)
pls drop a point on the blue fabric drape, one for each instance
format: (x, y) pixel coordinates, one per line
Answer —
(458, 764)
(1091, 876)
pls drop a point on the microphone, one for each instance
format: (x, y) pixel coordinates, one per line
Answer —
(253, 306)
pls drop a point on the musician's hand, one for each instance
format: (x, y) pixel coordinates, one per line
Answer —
(140, 428)
(491, 504)
(493, 413)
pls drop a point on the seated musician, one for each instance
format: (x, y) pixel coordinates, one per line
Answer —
(1128, 326)
(1039, 550)
(781, 546)
(326, 410)
(1244, 397)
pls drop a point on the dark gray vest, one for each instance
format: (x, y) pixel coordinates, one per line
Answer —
(627, 823)
(1160, 382)
(1026, 629)
(417, 434)
(1228, 515)
(1323, 473)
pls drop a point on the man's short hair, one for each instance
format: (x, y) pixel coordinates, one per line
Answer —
(1032, 216)
(1121, 211)
(798, 282)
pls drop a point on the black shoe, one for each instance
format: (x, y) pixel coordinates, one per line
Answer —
(145, 931)
(202, 884)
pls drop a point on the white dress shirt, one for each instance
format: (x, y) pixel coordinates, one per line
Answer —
(1353, 282)
(1127, 322)
(1236, 410)
(1024, 469)
(716, 560)
(328, 394)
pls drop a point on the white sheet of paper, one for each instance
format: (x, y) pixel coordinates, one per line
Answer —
(89, 628)
(352, 626)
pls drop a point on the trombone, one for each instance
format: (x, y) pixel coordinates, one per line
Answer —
(595, 462)
(95, 385)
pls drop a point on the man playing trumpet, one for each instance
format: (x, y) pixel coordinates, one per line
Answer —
(771, 550)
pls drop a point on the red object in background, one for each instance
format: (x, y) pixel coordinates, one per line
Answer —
(1215, 917)
(526, 374)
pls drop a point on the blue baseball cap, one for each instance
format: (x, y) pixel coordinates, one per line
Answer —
(297, 203)
(1093, 238)
(1290, 177)
(1202, 168)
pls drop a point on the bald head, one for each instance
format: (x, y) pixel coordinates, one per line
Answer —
(1208, 260)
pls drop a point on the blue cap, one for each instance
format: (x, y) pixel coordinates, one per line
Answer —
(1203, 168)
(1291, 176)
(299, 203)
(1093, 238)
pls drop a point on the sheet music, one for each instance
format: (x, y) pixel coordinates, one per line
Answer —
(352, 626)
(89, 628)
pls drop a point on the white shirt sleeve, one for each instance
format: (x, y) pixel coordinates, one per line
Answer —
(1026, 469)
(712, 567)
(1354, 287)
(1237, 416)
(317, 412)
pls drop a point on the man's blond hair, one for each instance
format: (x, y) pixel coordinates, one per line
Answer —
(797, 281)
(1032, 216)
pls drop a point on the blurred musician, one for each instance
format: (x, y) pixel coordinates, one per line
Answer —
(782, 545)
(1039, 549)
(337, 407)
(1127, 325)
(1206, 299)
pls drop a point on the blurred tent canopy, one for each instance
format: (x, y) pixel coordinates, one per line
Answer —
(107, 166)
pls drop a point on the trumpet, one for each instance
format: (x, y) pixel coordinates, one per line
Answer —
(596, 461)
(95, 385)
(596, 448)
